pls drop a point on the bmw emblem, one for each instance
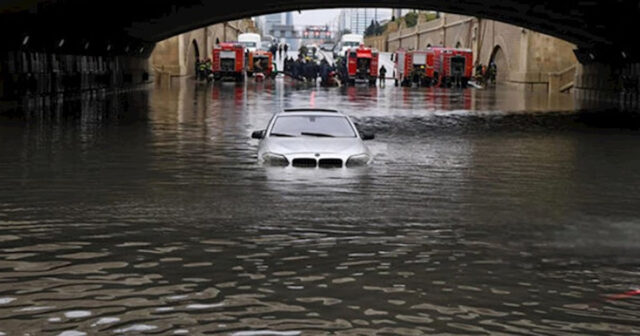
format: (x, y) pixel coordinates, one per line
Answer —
(317, 154)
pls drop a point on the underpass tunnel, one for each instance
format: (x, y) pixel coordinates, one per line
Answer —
(127, 40)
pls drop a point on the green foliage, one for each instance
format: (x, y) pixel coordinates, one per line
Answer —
(430, 16)
(411, 19)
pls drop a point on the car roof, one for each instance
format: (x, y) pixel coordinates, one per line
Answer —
(310, 110)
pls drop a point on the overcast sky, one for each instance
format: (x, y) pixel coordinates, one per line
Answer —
(314, 17)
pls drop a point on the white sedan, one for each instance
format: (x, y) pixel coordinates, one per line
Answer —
(312, 138)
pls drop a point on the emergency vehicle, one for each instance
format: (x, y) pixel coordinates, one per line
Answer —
(362, 65)
(416, 66)
(452, 66)
(260, 62)
(228, 62)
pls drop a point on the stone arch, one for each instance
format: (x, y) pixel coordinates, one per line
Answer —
(499, 56)
(192, 56)
(425, 43)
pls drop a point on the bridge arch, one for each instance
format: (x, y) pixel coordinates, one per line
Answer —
(122, 23)
(499, 57)
(193, 55)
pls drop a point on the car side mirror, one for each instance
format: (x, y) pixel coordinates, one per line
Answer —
(367, 136)
(257, 134)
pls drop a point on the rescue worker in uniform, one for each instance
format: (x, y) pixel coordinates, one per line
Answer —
(493, 72)
(383, 76)
(324, 72)
(203, 70)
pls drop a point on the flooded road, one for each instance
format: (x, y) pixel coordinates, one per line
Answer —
(484, 212)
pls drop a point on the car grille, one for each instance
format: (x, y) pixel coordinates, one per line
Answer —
(330, 163)
(304, 163)
(312, 163)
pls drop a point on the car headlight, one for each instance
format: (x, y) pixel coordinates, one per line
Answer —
(358, 160)
(274, 159)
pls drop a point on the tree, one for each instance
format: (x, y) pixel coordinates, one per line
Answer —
(411, 19)
(371, 30)
(375, 28)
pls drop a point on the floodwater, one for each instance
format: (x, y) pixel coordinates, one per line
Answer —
(484, 212)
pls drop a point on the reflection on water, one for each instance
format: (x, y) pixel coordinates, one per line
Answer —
(147, 213)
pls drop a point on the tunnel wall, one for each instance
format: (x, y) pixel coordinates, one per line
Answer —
(601, 85)
(31, 73)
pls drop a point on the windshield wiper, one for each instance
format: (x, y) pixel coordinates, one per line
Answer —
(318, 134)
(282, 135)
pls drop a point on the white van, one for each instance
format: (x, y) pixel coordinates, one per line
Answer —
(250, 41)
(349, 41)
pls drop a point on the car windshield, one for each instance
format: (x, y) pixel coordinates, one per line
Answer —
(248, 44)
(351, 44)
(318, 126)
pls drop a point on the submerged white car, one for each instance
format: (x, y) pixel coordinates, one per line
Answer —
(312, 138)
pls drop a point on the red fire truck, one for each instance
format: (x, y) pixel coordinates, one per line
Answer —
(228, 62)
(362, 64)
(452, 66)
(398, 59)
(416, 66)
(260, 62)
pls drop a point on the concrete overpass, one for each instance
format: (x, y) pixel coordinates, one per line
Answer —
(110, 30)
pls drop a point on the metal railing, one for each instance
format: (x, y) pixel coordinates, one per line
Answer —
(563, 80)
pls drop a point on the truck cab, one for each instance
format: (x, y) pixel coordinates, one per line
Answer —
(250, 41)
(350, 41)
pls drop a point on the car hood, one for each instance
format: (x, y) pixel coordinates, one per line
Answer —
(287, 146)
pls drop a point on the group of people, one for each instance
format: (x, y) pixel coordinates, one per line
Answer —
(203, 69)
(277, 49)
(307, 70)
(486, 74)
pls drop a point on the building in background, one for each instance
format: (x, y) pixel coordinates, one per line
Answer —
(285, 33)
(265, 23)
(357, 20)
(289, 19)
(280, 26)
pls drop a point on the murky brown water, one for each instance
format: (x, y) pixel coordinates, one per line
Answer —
(147, 213)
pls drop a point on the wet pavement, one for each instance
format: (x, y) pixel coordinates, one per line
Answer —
(484, 212)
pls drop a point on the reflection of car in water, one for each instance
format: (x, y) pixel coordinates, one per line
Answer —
(312, 138)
